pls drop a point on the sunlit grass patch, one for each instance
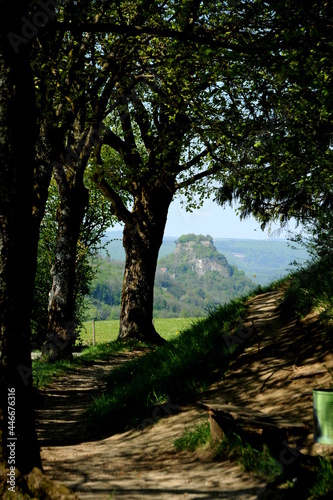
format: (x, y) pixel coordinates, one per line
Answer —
(194, 438)
(232, 447)
(107, 331)
(43, 373)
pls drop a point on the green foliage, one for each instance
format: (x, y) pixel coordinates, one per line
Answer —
(176, 371)
(258, 461)
(285, 158)
(311, 287)
(180, 291)
(263, 260)
(232, 447)
(95, 222)
(196, 238)
(194, 438)
(323, 485)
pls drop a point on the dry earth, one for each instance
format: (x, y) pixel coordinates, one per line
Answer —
(276, 372)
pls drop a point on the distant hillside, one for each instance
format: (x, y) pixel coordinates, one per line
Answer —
(267, 260)
(188, 281)
(196, 276)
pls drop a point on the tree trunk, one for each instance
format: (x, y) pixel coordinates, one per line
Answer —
(49, 144)
(60, 336)
(142, 238)
(18, 446)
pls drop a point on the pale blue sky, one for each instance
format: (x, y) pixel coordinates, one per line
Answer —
(214, 220)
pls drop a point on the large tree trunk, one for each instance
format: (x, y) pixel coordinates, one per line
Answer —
(49, 144)
(142, 238)
(60, 336)
(18, 446)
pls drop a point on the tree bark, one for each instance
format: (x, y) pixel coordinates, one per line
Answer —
(142, 238)
(60, 337)
(18, 446)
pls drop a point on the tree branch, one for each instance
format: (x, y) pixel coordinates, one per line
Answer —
(186, 36)
(117, 204)
(194, 161)
(197, 177)
(114, 141)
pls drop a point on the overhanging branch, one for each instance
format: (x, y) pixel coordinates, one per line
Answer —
(194, 161)
(197, 177)
(117, 203)
(186, 36)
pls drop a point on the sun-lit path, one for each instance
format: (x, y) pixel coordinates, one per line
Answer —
(142, 463)
(276, 371)
(61, 408)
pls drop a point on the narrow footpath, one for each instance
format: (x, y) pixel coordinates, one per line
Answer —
(284, 360)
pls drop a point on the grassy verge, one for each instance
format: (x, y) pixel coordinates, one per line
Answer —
(192, 439)
(233, 448)
(323, 485)
(43, 373)
(106, 346)
(316, 483)
(175, 372)
(311, 288)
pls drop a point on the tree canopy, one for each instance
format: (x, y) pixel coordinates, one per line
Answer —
(284, 166)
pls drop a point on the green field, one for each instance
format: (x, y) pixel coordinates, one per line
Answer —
(107, 331)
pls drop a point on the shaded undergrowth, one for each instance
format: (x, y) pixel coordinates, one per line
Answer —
(232, 447)
(314, 481)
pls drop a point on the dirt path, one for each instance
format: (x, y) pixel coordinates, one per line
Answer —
(276, 372)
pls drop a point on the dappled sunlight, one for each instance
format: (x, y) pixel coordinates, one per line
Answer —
(144, 464)
(280, 365)
(277, 365)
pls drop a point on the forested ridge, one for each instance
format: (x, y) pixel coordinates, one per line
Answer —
(189, 281)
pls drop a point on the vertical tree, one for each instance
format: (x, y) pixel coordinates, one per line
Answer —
(17, 131)
(90, 69)
(172, 133)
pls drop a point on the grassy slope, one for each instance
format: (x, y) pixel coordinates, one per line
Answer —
(192, 360)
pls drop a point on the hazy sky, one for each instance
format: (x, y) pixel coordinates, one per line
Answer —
(214, 220)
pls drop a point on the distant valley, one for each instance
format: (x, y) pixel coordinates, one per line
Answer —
(194, 273)
(267, 260)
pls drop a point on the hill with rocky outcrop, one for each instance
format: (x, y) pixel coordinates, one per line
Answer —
(190, 280)
(198, 277)
(199, 254)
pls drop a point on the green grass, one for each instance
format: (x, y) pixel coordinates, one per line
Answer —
(194, 438)
(250, 458)
(232, 447)
(174, 372)
(107, 331)
(44, 373)
(310, 288)
(324, 479)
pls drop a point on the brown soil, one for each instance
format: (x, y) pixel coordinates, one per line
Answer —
(283, 360)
